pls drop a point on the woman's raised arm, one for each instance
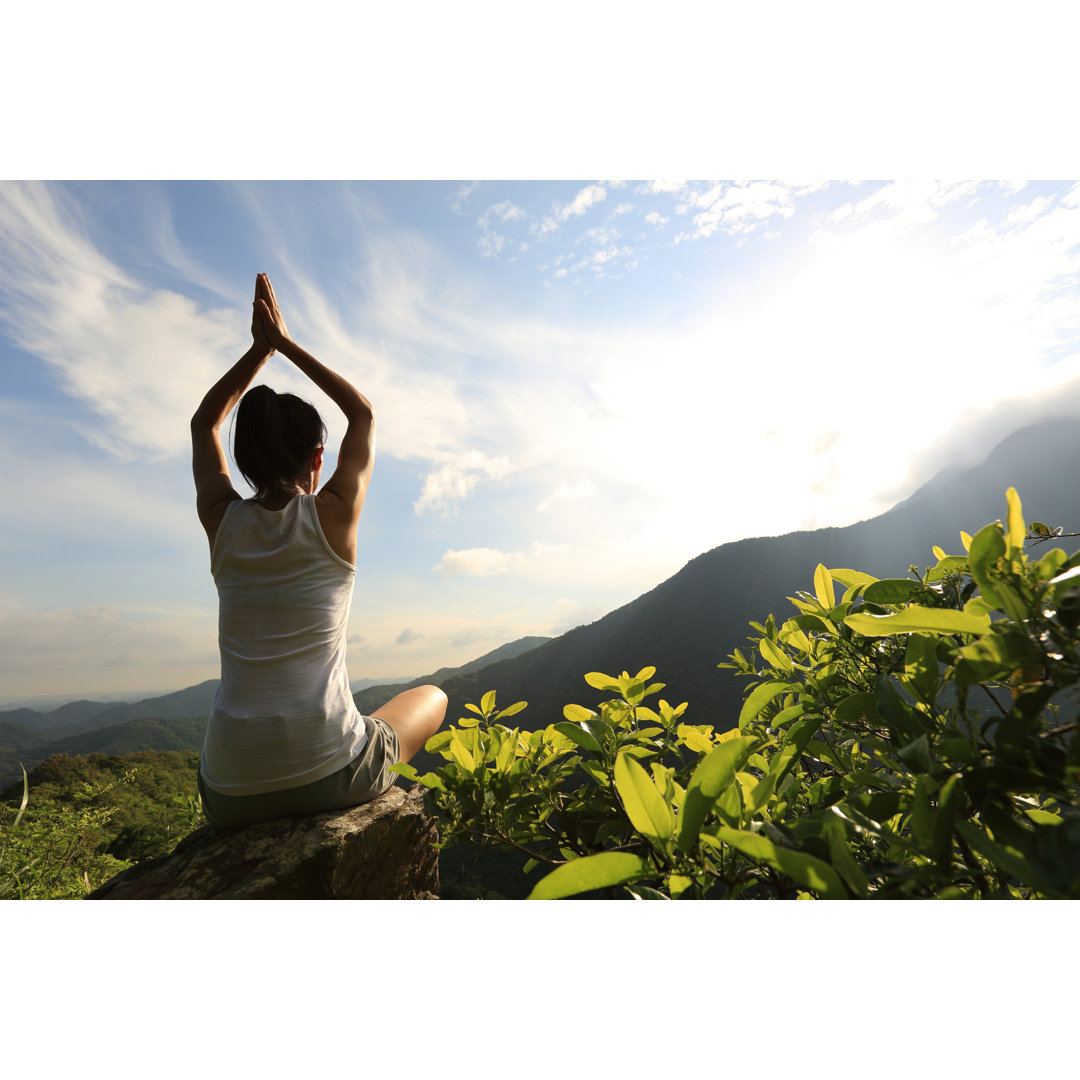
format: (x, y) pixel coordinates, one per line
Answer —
(343, 494)
(213, 484)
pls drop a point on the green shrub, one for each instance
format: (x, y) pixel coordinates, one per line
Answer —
(906, 739)
(54, 855)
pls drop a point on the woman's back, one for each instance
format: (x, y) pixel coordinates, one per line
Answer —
(283, 714)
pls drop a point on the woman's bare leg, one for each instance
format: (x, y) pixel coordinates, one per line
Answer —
(415, 715)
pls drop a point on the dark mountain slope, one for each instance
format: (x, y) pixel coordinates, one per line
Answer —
(692, 621)
(369, 699)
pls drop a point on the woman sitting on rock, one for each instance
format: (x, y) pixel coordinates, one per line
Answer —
(284, 734)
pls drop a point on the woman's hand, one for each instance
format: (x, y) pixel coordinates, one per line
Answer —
(259, 338)
(273, 327)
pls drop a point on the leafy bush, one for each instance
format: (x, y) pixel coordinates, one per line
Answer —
(90, 817)
(905, 740)
(54, 856)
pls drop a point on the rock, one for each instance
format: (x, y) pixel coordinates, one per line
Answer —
(379, 851)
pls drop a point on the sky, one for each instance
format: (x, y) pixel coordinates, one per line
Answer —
(579, 385)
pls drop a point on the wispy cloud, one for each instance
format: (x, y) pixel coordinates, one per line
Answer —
(140, 358)
(458, 478)
(586, 198)
(483, 562)
(461, 196)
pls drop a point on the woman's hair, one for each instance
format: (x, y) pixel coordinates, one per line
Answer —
(273, 439)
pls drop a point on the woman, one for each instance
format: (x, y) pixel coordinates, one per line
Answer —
(284, 735)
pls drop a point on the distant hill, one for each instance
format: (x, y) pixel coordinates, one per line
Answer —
(174, 721)
(25, 747)
(691, 622)
(369, 699)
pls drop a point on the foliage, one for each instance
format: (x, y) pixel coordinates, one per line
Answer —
(54, 855)
(901, 740)
(81, 820)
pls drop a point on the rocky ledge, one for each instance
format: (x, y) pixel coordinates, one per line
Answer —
(382, 850)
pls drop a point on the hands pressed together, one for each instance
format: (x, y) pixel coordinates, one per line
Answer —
(268, 329)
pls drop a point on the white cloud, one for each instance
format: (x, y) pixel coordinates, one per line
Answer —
(568, 492)
(585, 198)
(504, 211)
(141, 359)
(740, 208)
(457, 479)
(654, 218)
(408, 636)
(659, 187)
(623, 208)
(460, 197)
(561, 212)
(484, 562)
(491, 242)
(479, 562)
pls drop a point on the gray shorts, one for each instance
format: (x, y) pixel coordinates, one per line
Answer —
(363, 779)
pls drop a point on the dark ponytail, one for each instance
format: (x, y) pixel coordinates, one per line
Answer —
(274, 438)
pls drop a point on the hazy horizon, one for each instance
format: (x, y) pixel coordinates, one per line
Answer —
(579, 387)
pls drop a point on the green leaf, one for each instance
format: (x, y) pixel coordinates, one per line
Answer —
(915, 619)
(714, 775)
(678, 884)
(794, 744)
(893, 591)
(507, 752)
(647, 809)
(774, 655)
(438, 741)
(643, 892)
(761, 695)
(808, 871)
(694, 739)
(578, 714)
(850, 578)
(987, 546)
(814, 623)
(511, 710)
(579, 735)
(600, 681)
(1017, 529)
(856, 707)
(995, 656)
(921, 666)
(1006, 859)
(823, 587)
(950, 807)
(844, 862)
(598, 871)
(460, 753)
(487, 702)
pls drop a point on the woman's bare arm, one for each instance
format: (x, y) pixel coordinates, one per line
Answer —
(348, 486)
(213, 484)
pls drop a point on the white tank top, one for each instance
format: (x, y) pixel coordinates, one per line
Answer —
(283, 715)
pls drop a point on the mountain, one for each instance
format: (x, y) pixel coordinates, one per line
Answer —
(175, 721)
(81, 717)
(20, 746)
(370, 698)
(691, 622)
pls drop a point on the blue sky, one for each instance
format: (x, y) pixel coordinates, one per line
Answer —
(579, 386)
